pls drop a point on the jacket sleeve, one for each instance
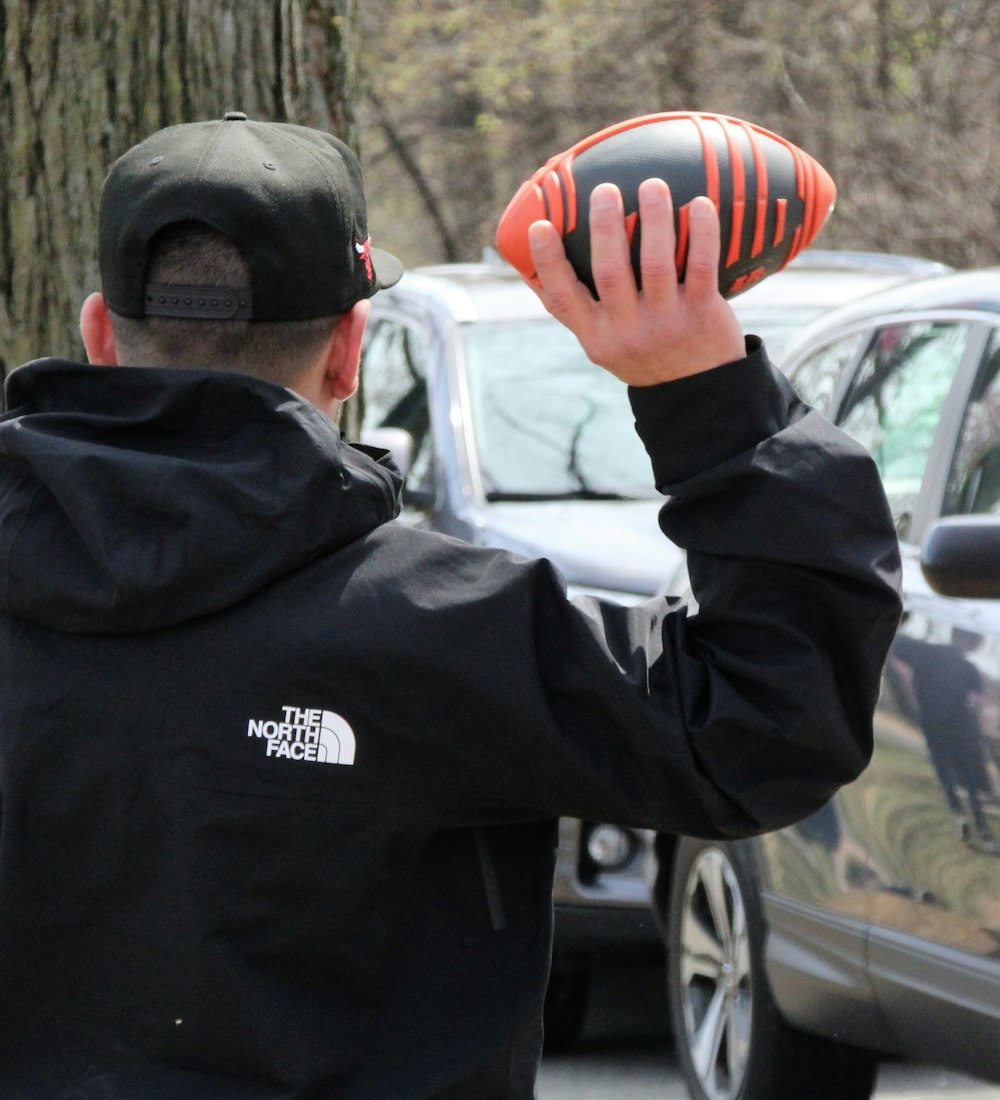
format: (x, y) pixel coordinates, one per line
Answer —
(750, 713)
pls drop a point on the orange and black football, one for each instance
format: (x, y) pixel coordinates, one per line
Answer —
(772, 197)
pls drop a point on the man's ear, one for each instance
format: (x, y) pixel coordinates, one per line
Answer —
(97, 332)
(343, 352)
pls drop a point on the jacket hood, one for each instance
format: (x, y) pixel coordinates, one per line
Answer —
(134, 498)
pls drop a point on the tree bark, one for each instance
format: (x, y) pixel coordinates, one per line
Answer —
(408, 162)
(81, 82)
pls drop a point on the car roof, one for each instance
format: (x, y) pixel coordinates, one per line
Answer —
(494, 291)
(826, 278)
(470, 292)
(974, 291)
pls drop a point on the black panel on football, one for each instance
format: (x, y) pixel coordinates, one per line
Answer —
(626, 159)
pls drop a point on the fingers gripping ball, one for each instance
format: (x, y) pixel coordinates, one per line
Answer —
(772, 197)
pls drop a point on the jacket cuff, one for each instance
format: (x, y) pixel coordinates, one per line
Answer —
(697, 422)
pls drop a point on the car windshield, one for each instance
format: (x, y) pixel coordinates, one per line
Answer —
(548, 423)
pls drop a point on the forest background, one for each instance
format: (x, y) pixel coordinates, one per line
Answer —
(451, 105)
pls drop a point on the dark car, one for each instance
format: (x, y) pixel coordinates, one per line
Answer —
(503, 426)
(798, 960)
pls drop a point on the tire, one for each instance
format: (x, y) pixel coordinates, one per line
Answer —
(731, 1042)
(566, 1001)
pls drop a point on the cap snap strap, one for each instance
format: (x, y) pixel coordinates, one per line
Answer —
(201, 302)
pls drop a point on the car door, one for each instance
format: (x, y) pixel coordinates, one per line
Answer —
(929, 798)
(887, 386)
(395, 396)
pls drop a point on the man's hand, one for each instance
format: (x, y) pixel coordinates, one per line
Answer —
(668, 329)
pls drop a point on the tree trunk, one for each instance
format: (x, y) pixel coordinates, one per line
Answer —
(81, 82)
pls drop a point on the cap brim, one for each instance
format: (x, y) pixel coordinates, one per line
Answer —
(388, 269)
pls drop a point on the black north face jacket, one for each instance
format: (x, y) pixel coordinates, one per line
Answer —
(280, 777)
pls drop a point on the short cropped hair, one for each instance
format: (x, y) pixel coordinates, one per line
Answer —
(190, 253)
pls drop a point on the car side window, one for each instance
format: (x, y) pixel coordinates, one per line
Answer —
(815, 378)
(895, 399)
(974, 481)
(394, 379)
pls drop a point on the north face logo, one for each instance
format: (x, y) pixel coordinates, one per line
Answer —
(319, 736)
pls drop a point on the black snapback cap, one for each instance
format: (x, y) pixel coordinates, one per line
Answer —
(291, 199)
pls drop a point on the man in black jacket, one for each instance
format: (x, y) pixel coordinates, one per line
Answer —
(280, 777)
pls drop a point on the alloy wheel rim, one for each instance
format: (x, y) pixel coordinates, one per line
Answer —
(714, 975)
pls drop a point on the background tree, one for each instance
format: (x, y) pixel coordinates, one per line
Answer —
(81, 82)
(900, 99)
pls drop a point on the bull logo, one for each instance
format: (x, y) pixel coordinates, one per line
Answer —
(364, 252)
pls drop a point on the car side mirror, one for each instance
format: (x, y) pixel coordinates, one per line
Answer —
(961, 557)
(397, 441)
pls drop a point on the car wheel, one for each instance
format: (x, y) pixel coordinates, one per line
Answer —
(730, 1040)
(566, 1001)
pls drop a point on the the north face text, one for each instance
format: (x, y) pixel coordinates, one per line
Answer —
(313, 735)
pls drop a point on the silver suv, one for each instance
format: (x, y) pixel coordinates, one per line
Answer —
(510, 437)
